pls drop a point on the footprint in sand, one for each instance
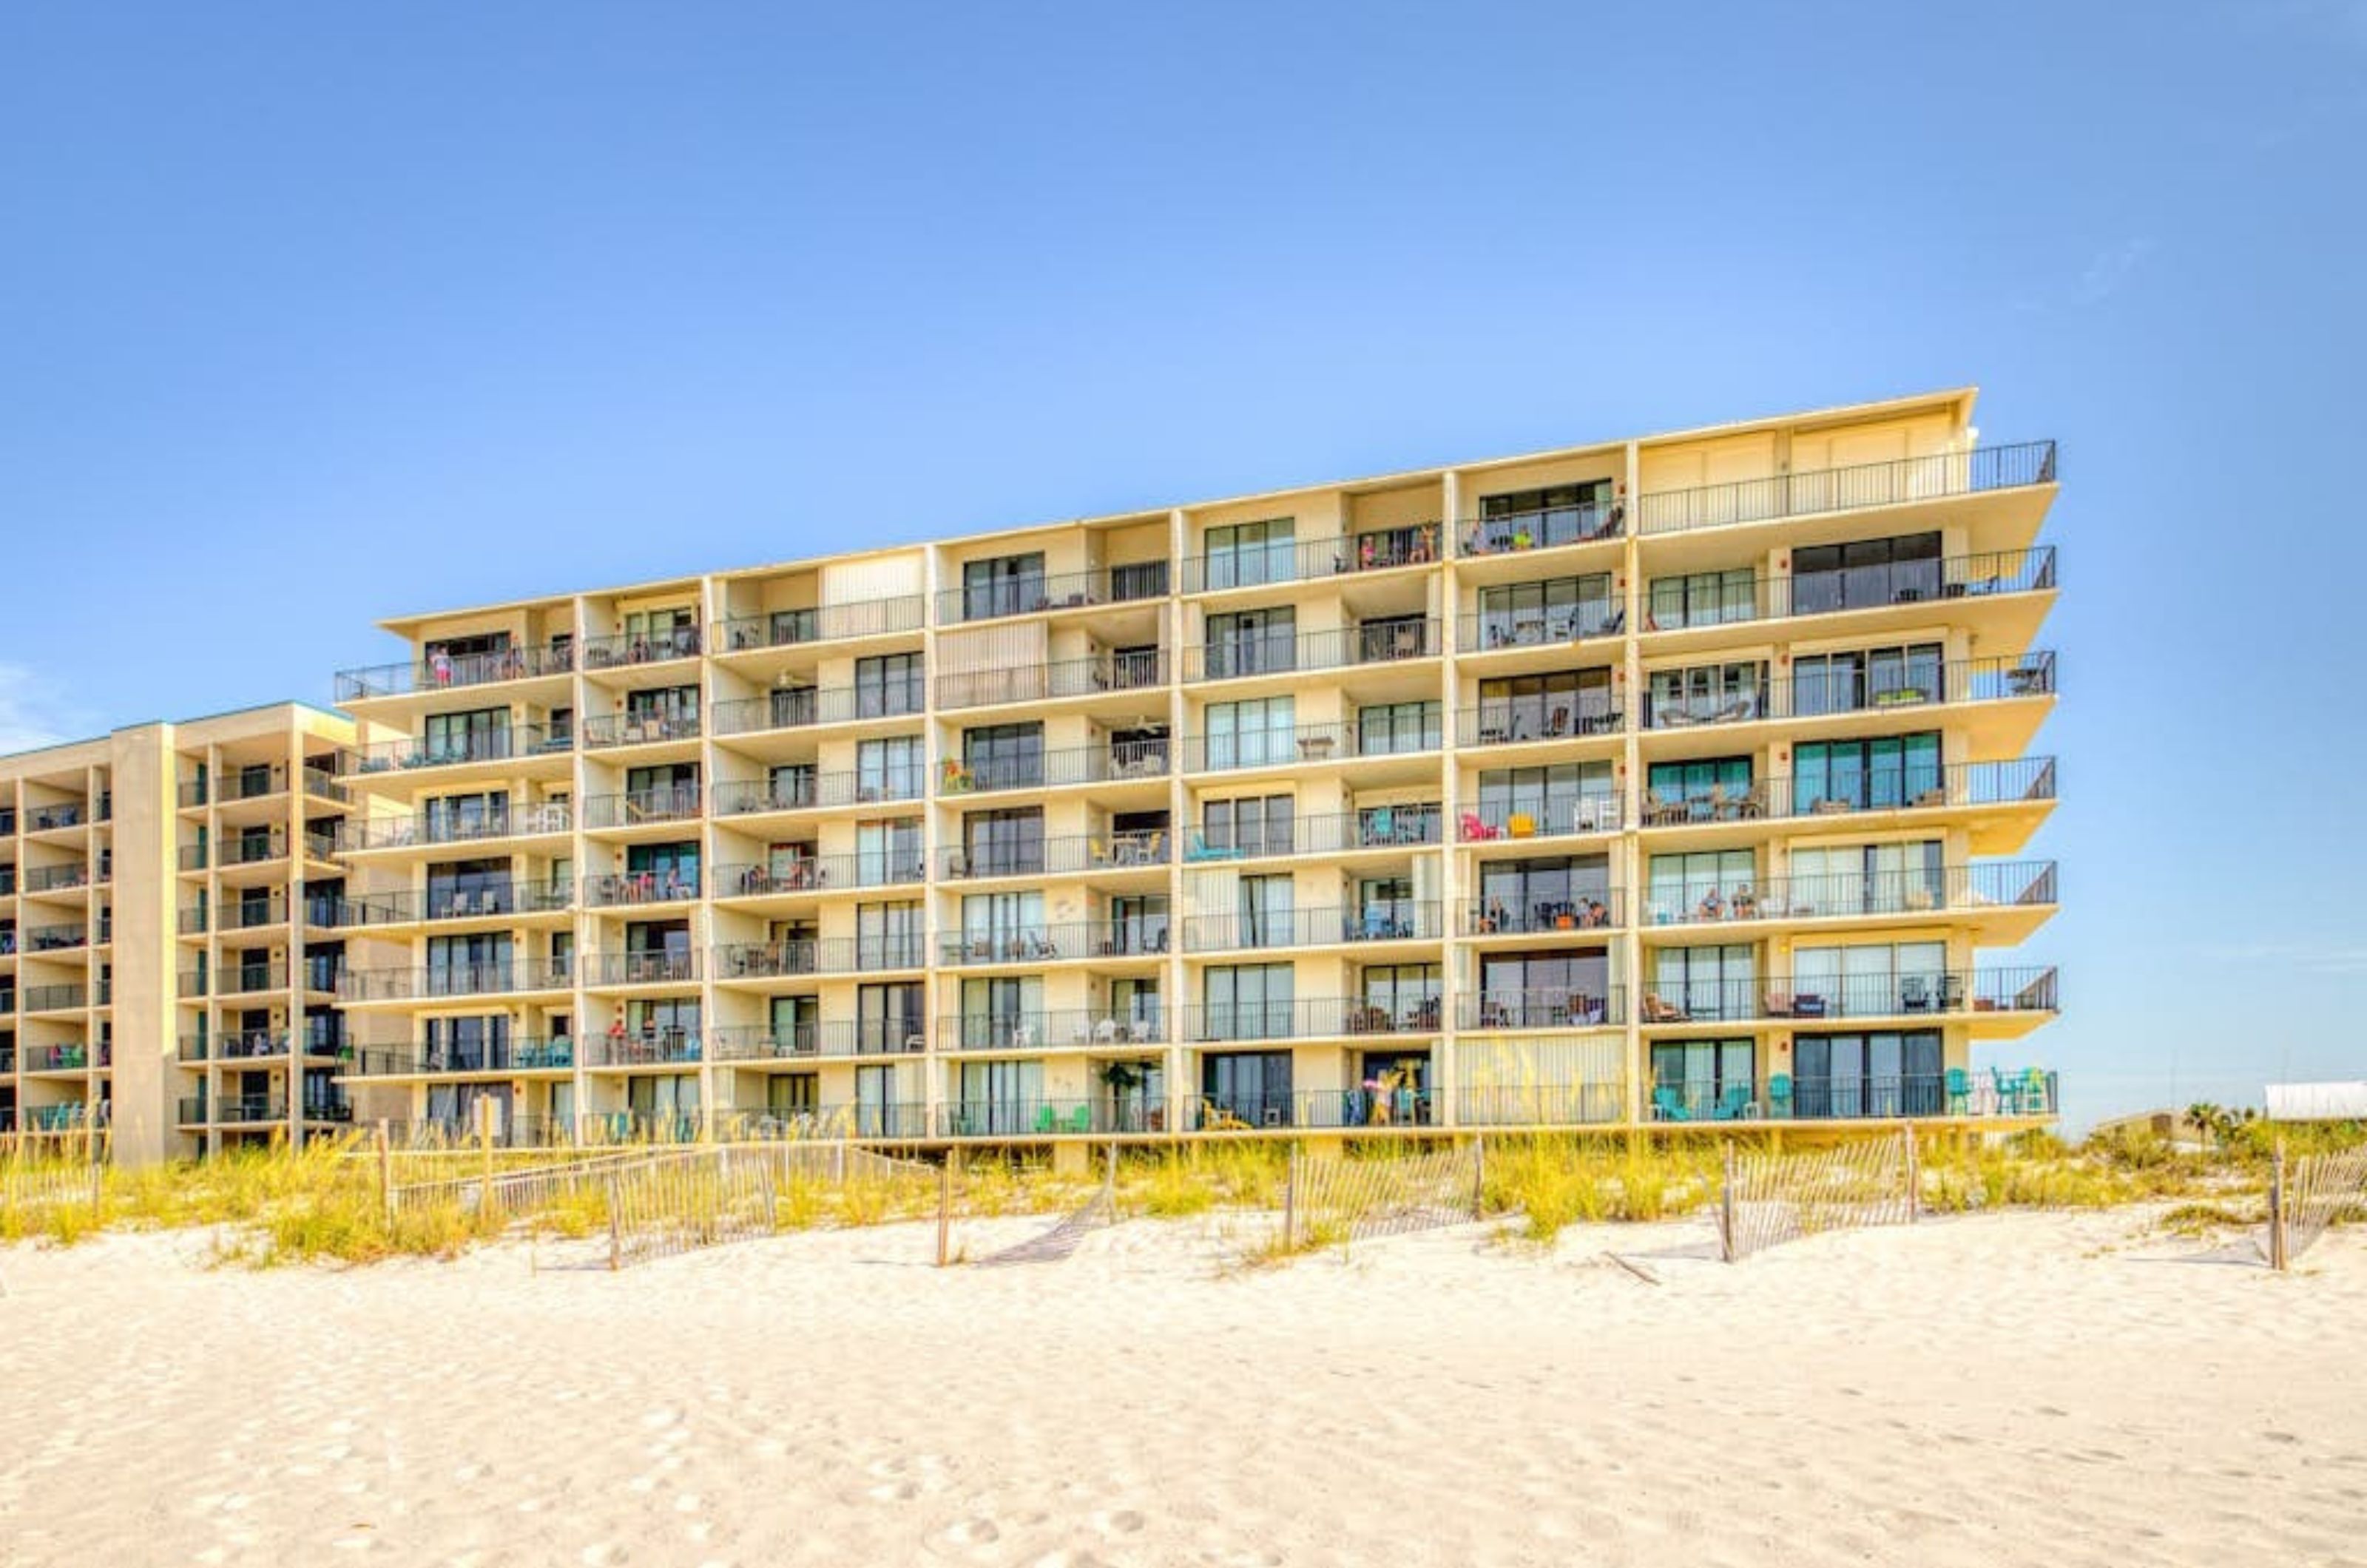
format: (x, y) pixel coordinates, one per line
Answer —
(1124, 1522)
(973, 1532)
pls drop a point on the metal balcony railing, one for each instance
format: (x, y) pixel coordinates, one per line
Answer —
(656, 646)
(1894, 483)
(239, 979)
(1055, 943)
(478, 900)
(508, 744)
(1042, 1030)
(604, 731)
(799, 707)
(1955, 1091)
(242, 1108)
(1048, 769)
(1561, 715)
(48, 819)
(1823, 693)
(249, 1044)
(1369, 828)
(56, 879)
(1063, 856)
(1548, 528)
(1551, 816)
(814, 874)
(1965, 888)
(490, 978)
(1680, 604)
(55, 999)
(1306, 743)
(1306, 1017)
(672, 1046)
(672, 803)
(679, 967)
(439, 672)
(1904, 993)
(489, 1056)
(840, 1037)
(54, 939)
(1302, 561)
(1540, 1104)
(1282, 653)
(247, 914)
(797, 956)
(609, 889)
(825, 623)
(1556, 626)
(72, 1057)
(808, 791)
(455, 827)
(1061, 678)
(1029, 595)
(1401, 920)
(1895, 788)
(1592, 906)
(1542, 1007)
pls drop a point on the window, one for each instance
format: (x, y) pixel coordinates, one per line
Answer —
(1538, 895)
(1559, 702)
(1002, 1013)
(1875, 677)
(1550, 794)
(670, 705)
(1544, 990)
(463, 888)
(888, 684)
(1000, 1098)
(1385, 729)
(1252, 642)
(1880, 1073)
(1534, 519)
(464, 737)
(1703, 599)
(1702, 780)
(889, 769)
(1251, 734)
(662, 634)
(478, 815)
(1138, 924)
(459, 964)
(1004, 756)
(1863, 776)
(1701, 1074)
(1246, 554)
(670, 870)
(1868, 879)
(467, 1044)
(1138, 580)
(1558, 610)
(1397, 997)
(797, 1023)
(1705, 983)
(888, 936)
(793, 1094)
(1248, 1001)
(1867, 572)
(1265, 912)
(1873, 979)
(877, 1111)
(1709, 694)
(672, 789)
(888, 852)
(1248, 1087)
(1700, 885)
(1002, 925)
(1007, 585)
(1255, 825)
(1003, 843)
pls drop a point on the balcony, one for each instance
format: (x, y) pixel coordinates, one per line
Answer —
(801, 707)
(612, 889)
(840, 1037)
(2022, 781)
(233, 1108)
(2028, 1092)
(659, 646)
(1732, 602)
(522, 1056)
(1346, 832)
(74, 1116)
(1061, 678)
(1308, 1018)
(1055, 943)
(1556, 626)
(1302, 561)
(1236, 659)
(1033, 596)
(1896, 483)
(249, 914)
(242, 979)
(1554, 817)
(1594, 908)
(235, 784)
(484, 900)
(1568, 717)
(1064, 856)
(485, 979)
(1521, 532)
(1907, 996)
(1076, 1028)
(826, 623)
(454, 826)
(1833, 692)
(652, 1047)
(246, 1045)
(1114, 762)
(798, 956)
(1400, 921)
(56, 879)
(514, 742)
(676, 803)
(610, 729)
(1008, 1117)
(55, 939)
(1542, 1007)
(250, 848)
(664, 968)
(1293, 747)
(816, 873)
(49, 818)
(72, 1058)
(809, 791)
(55, 999)
(1984, 886)
(441, 672)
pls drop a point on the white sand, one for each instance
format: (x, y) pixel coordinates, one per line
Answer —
(1997, 1390)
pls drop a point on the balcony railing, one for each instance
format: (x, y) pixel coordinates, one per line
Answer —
(1674, 607)
(655, 647)
(1043, 1030)
(1825, 694)
(1028, 595)
(517, 740)
(1058, 857)
(1402, 919)
(46, 818)
(247, 914)
(1301, 561)
(1985, 885)
(798, 707)
(55, 939)
(250, 783)
(448, 672)
(1061, 678)
(477, 901)
(1563, 717)
(1893, 483)
(1004, 1117)
(1055, 943)
(819, 955)
(825, 623)
(1048, 769)
(674, 803)
(1307, 743)
(1542, 1007)
(672, 1046)
(607, 729)
(489, 1056)
(1589, 908)
(1514, 532)
(55, 999)
(1282, 653)
(323, 784)
(454, 828)
(238, 979)
(611, 889)
(56, 879)
(819, 873)
(1371, 827)
(1904, 994)
(247, 1045)
(674, 969)
(1554, 817)
(840, 1037)
(1896, 789)
(1955, 1091)
(1540, 1104)
(72, 1056)
(1556, 626)
(805, 791)
(492, 978)
(1308, 1018)
(240, 1108)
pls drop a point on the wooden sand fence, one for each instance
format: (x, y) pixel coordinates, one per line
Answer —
(2306, 1196)
(1338, 1201)
(1768, 1199)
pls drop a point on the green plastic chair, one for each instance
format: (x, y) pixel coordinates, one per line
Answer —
(1046, 1119)
(1082, 1120)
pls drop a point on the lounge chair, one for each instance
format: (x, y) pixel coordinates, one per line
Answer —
(1200, 849)
(1475, 830)
(1656, 1011)
(1734, 1105)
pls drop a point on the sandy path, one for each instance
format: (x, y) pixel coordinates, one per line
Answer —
(2000, 1389)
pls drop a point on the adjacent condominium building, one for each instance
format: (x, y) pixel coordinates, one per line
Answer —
(1677, 779)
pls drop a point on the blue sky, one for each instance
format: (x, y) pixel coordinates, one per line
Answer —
(310, 315)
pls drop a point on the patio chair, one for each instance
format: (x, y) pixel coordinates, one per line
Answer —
(1914, 994)
(1475, 830)
(1200, 849)
(1047, 1120)
(1656, 1010)
(1960, 1092)
(2009, 1093)
(1669, 1106)
(1779, 1094)
(1082, 1119)
(1734, 1105)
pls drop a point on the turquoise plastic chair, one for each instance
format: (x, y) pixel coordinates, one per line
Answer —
(1667, 1107)
(1960, 1092)
(1779, 1094)
(1733, 1105)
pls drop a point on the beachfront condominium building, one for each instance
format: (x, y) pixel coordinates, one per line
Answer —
(169, 940)
(1673, 779)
